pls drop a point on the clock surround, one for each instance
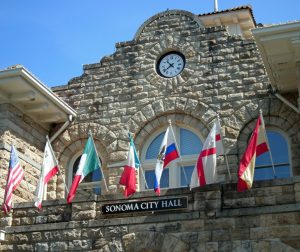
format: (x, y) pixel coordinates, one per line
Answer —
(170, 64)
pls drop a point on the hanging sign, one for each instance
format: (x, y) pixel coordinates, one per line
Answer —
(144, 206)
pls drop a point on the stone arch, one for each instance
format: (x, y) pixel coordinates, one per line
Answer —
(73, 141)
(168, 13)
(276, 114)
(174, 108)
(80, 131)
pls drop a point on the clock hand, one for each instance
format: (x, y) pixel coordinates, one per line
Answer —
(169, 66)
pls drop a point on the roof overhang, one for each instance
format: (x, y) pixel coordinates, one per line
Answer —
(279, 46)
(241, 16)
(20, 88)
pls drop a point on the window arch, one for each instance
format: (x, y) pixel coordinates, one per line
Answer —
(280, 152)
(178, 173)
(92, 180)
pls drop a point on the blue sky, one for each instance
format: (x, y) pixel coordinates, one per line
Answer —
(53, 39)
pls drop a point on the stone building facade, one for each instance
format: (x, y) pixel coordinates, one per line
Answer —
(223, 74)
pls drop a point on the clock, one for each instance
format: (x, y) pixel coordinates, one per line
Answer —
(170, 64)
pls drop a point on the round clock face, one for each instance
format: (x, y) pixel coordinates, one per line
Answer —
(170, 64)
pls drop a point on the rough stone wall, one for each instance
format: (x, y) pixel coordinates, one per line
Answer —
(223, 74)
(267, 218)
(29, 140)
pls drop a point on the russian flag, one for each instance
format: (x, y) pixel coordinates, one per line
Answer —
(167, 153)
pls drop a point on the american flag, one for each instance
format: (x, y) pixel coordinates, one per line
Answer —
(15, 176)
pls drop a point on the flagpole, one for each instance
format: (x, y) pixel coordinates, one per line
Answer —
(31, 198)
(170, 124)
(225, 155)
(90, 133)
(142, 170)
(266, 137)
(59, 172)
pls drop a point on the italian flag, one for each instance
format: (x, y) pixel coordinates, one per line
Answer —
(258, 145)
(89, 162)
(128, 177)
(49, 169)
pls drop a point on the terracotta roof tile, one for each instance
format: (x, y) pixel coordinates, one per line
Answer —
(243, 7)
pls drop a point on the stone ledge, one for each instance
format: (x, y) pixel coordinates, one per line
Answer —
(155, 218)
(106, 198)
(259, 210)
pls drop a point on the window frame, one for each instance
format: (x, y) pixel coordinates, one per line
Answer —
(288, 142)
(174, 166)
(86, 185)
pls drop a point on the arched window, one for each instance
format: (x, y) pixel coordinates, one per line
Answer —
(92, 180)
(179, 172)
(281, 159)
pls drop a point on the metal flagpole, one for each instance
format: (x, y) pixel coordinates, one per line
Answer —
(90, 133)
(170, 124)
(142, 170)
(265, 134)
(31, 198)
(225, 155)
(59, 172)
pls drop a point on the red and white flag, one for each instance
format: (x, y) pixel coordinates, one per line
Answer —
(49, 169)
(258, 145)
(128, 177)
(14, 178)
(205, 169)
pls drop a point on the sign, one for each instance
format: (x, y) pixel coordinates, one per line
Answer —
(144, 206)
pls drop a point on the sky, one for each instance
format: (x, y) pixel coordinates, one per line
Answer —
(53, 39)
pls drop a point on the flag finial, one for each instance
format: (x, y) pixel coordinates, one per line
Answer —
(170, 122)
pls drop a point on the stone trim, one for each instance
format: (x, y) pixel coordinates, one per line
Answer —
(165, 14)
(73, 140)
(277, 115)
(178, 109)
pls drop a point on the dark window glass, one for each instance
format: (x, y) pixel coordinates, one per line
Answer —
(164, 180)
(280, 156)
(154, 147)
(91, 177)
(188, 174)
(189, 142)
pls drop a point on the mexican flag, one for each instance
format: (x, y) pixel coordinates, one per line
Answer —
(89, 162)
(128, 177)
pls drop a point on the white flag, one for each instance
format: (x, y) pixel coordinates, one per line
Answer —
(205, 168)
(49, 169)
